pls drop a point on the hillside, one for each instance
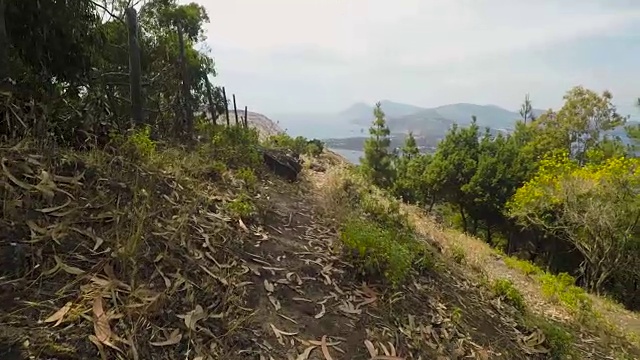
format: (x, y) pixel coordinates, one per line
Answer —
(265, 126)
(185, 270)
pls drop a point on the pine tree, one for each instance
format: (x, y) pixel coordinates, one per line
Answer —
(526, 110)
(410, 149)
(404, 185)
(377, 163)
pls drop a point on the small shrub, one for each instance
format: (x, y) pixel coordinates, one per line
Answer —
(247, 176)
(235, 146)
(242, 207)
(526, 267)
(458, 254)
(137, 143)
(505, 289)
(562, 288)
(315, 147)
(381, 251)
(559, 340)
(216, 169)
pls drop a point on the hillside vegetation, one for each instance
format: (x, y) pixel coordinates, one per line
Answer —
(134, 227)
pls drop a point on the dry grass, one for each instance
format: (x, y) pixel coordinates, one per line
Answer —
(601, 322)
(104, 256)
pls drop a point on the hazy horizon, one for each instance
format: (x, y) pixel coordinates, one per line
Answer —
(288, 56)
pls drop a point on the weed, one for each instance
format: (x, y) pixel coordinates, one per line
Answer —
(248, 177)
(458, 254)
(526, 267)
(559, 340)
(379, 250)
(505, 289)
(562, 288)
(456, 315)
(242, 207)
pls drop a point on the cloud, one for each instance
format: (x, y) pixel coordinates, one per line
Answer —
(347, 50)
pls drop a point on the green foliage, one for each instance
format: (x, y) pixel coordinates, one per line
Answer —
(557, 182)
(380, 250)
(242, 207)
(248, 177)
(562, 288)
(505, 289)
(377, 233)
(297, 145)
(377, 163)
(236, 146)
(141, 141)
(525, 267)
(458, 254)
(594, 207)
(410, 167)
(559, 340)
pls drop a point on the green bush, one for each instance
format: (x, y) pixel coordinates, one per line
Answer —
(562, 288)
(505, 289)
(380, 250)
(241, 207)
(248, 177)
(235, 146)
(298, 145)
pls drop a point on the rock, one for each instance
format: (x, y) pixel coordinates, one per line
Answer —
(282, 164)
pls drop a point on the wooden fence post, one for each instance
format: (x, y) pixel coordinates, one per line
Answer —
(212, 108)
(246, 117)
(235, 109)
(135, 68)
(226, 104)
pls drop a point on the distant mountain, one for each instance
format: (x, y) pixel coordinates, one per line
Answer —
(351, 125)
(406, 117)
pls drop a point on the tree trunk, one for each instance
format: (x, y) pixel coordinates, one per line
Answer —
(135, 68)
(463, 217)
(4, 47)
(186, 88)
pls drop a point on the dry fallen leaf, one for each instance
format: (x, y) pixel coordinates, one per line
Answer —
(268, 286)
(54, 208)
(321, 313)
(100, 321)
(305, 354)
(372, 349)
(173, 339)
(325, 349)
(59, 315)
(99, 345)
(192, 317)
(242, 225)
(66, 268)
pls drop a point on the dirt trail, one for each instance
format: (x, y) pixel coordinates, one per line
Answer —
(305, 292)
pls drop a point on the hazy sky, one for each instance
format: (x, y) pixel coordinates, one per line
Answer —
(324, 55)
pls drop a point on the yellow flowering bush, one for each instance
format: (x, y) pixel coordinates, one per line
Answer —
(595, 207)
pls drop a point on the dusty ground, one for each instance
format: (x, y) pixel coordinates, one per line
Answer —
(104, 258)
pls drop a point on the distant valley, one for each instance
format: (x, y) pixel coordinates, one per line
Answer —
(347, 130)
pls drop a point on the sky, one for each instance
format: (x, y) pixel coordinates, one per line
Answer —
(309, 56)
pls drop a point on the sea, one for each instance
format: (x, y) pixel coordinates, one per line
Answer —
(353, 156)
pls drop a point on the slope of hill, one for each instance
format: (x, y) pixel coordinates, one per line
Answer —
(186, 270)
(265, 126)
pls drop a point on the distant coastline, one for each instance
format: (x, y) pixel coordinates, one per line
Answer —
(353, 156)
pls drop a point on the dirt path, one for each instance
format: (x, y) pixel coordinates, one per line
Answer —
(304, 293)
